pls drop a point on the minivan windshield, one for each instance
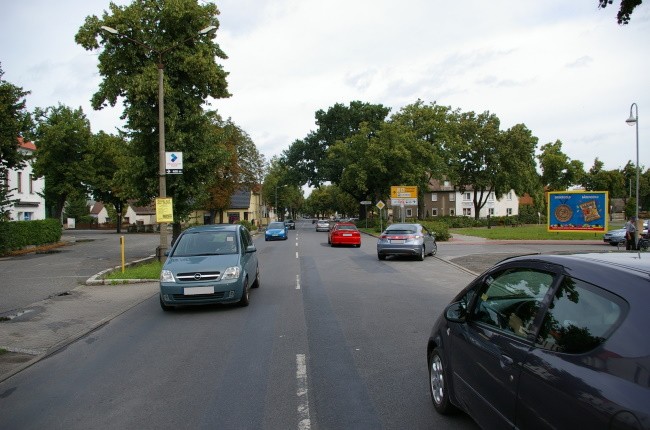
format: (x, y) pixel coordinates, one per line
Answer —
(206, 243)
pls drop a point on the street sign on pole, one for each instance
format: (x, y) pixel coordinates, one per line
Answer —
(173, 163)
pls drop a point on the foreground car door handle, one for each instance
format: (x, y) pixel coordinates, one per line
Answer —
(506, 361)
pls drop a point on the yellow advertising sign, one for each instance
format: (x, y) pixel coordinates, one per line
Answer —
(164, 210)
(404, 192)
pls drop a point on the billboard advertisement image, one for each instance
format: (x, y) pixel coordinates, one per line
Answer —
(581, 211)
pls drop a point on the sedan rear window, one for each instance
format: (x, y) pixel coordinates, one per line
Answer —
(401, 231)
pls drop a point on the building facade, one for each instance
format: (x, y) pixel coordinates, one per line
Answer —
(442, 199)
(25, 190)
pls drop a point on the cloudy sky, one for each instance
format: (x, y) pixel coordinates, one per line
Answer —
(564, 68)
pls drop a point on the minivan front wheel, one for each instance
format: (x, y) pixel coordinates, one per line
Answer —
(438, 386)
(165, 307)
(245, 297)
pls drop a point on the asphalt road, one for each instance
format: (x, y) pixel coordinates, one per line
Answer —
(333, 338)
(32, 277)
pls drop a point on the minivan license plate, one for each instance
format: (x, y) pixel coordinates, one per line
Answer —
(193, 291)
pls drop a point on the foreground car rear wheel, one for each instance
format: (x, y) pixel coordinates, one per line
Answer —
(434, 249)
(438, 384)
(421, 254)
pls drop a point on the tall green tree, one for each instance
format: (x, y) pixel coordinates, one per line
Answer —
(486, 160)
(307, 158)
(106, 157)
(155, 34)
(242, 167)
(559, 172)
(63, 136)
(15, 122)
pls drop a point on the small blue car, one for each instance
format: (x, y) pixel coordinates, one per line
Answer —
(276, 231)
(210, 264)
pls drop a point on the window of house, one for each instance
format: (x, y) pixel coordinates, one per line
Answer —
(19, 180)
(447, 184)
(409, 213)
(31, 184)
(434, 197)
(510, 195)
(467, 211)
(509, 211)
(452, 197)
(452, 212)
(491, 197)
(434, 212)
(28, 216)
(467, 196)
(491, 211)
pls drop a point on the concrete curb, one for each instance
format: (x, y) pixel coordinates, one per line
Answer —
(97, 278)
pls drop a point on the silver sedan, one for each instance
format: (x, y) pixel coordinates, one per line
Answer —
(406, 239)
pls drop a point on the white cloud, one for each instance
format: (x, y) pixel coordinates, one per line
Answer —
(565, 69)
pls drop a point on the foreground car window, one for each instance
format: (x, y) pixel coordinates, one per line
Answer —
(510, 300)
(580, 318)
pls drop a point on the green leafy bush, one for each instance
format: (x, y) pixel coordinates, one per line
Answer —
(19, 234)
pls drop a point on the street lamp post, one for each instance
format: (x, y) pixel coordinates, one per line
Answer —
(634, 120)
(162, 182)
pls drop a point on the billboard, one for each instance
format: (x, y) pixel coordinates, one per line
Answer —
(577, 211)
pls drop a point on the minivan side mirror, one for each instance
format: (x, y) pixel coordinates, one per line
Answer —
(456, 312)
(251, 248)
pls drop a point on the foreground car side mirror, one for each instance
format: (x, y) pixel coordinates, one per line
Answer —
(251, 248)
(456, 312)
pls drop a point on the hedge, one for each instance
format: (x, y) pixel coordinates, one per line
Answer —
(19, 234)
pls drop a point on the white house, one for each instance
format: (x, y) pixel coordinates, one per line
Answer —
(25, 189)
(442, 198)
(507, 205)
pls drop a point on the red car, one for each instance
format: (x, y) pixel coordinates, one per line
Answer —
(344, 233)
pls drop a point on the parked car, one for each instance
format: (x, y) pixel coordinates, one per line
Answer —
(615, 237)
(291, 224)
(276, 230)
(406, 239)
(322, 225)
(548, 341)
(210, 264)
(344, 233)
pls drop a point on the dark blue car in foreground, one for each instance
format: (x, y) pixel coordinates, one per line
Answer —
(548, 341)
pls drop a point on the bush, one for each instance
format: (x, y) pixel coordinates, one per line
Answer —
(19, 234)
(248, 225)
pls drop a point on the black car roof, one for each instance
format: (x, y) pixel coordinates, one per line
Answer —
(624, 273)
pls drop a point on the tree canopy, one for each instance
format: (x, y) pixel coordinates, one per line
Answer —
(625, 10)
(155, 34)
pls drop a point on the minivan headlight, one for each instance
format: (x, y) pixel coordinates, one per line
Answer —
(166, 276)
(231, 273)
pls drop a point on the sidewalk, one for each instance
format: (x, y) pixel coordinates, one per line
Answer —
(46, 326)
